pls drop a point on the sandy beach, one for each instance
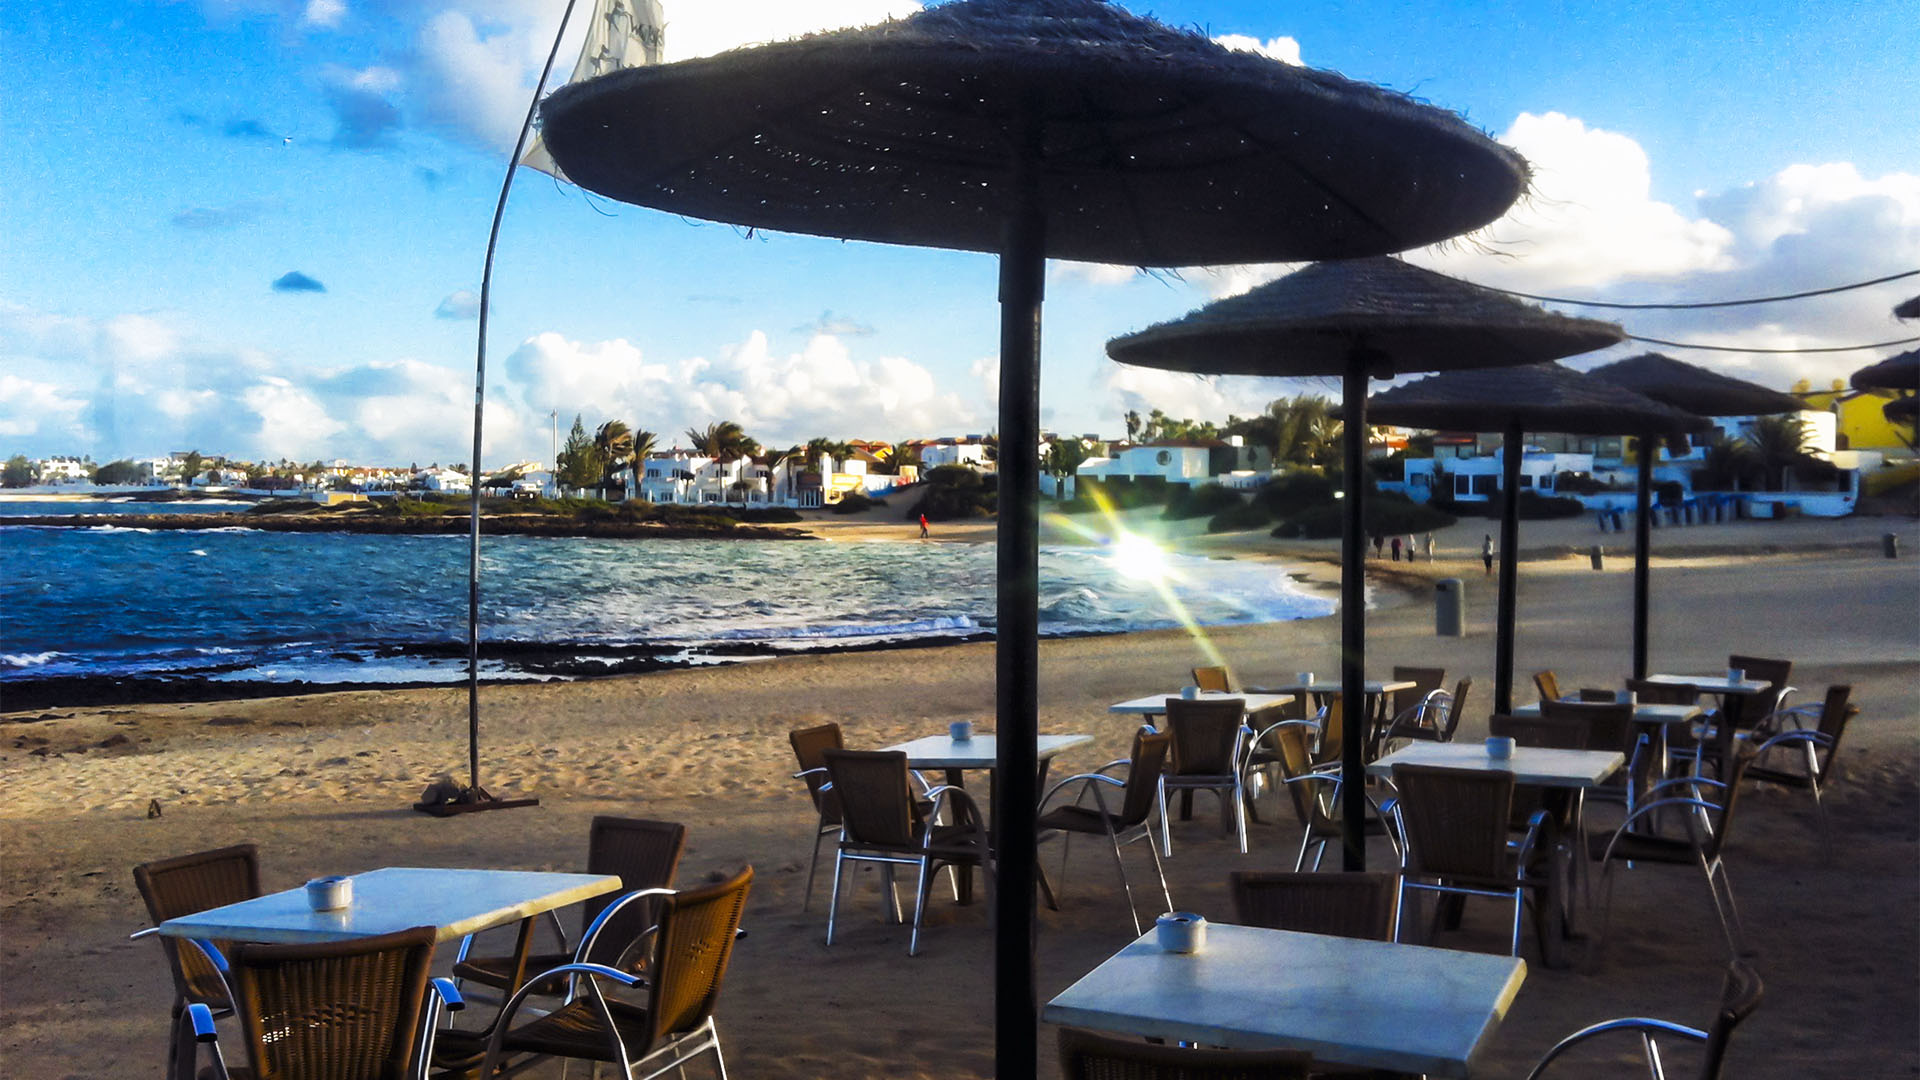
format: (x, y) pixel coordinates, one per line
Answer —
(322, 783)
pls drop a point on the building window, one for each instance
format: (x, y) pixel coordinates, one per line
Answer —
(1484, 483)
(1526, 480)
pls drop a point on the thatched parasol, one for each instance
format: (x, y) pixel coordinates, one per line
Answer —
(1360, 318)
(1907, 309)
(1901, 372)
(1697, 390)
(1032, 129)
(1544, 397)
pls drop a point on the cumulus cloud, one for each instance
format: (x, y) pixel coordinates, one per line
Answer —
(29, 408)
(836, 325)
(1284, 49)
(459, 304)
(324, 13)
(295, 281)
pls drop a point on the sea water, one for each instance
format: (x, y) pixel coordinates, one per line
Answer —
(237, 604)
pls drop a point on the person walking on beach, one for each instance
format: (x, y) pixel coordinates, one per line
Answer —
(1486, 553)
(1396, 549)
(923, 526)
(1378, 542)
(1429, 547)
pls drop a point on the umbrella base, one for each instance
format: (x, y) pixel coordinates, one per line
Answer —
(471, 800)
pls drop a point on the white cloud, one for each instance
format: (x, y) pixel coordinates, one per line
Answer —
(459, 304)
(473, 84)
(1284, 49)
(1194, 397)
(29, 408)
(324, 13)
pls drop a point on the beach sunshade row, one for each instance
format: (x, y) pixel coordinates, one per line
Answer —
(1541, 397)
(1312, 322)
(1152, 146)
(1901, 372)
(1907, 309)
(1694, 388)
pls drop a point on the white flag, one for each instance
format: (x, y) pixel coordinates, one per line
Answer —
(623, 34)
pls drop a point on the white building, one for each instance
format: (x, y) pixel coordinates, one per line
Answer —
(969, 451)
(1230, 463)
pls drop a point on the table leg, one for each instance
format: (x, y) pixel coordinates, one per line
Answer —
(522, 945)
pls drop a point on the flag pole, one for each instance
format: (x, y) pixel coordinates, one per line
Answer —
(473, 796)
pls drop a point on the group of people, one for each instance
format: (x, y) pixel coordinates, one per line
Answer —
(1412, 546)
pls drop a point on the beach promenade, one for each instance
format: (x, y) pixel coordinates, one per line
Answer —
(322, 784)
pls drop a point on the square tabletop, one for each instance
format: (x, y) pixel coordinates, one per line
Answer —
(1156, 704)
(1372, 687)
(1529, 764)
(454, 902)
(1644, 712)
(1711, 684)
(1377, 1004)
(979, 752)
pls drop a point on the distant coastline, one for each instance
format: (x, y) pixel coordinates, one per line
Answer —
(393, 525)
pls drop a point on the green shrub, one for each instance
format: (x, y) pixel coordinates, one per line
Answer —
(1294, 491)
(1204, 500)
(855, 502)
(1239, 518)
(1387, 513)
(767, 515)
(955, 492)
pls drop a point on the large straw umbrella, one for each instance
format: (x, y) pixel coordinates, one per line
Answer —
(1035, 129)
(1908, 309)
(1360, 319)
(1546, 397)
(1700, 391)
(1900, 372)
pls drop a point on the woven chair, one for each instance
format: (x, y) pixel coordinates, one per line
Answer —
(184, 885)
(809, 744)
(1353, 905)
(1315, 796)
(1818, 745)
(643, 854)
(1660, 693)
(1430, 720)
(1455, 823)
(1122, 824)
(361, 1008)
(1425, 681)
(1548, 684)
(1209, 744)
(1538, 731)
(1754, 708)
(882, 822)
(1739, 997)
(1609, 726)
(1649, 835)
(667, 1027)
(1332, 733)
(1087, 1055)
(1212, 679)
(1457, 710)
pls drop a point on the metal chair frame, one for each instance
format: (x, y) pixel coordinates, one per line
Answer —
(1706, 838)
(1520, 851)
(1738, 999)
(1230, 784)
(1118, 835)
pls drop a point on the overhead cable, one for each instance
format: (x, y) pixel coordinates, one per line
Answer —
(1742, 348)
(1707, 303)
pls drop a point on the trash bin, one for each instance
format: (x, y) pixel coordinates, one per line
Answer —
(1449, 608)
(1593, 553)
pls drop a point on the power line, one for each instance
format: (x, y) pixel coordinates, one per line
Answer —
(1709, 303)
(1740, 348)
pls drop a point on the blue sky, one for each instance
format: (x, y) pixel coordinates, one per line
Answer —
(254, 227)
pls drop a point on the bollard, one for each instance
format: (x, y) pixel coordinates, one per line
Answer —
(1890, 545)
(1593, 553)
(1449, 607)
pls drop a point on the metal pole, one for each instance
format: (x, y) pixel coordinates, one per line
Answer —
(1017, 627)
(479, 405)
(1511, 450)
(1353, 615)
(1642, 554)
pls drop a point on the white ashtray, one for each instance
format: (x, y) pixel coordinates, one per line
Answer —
(329, 893)
(1181, 931)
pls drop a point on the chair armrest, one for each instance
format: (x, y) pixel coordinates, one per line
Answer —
(592, 934)
(200, 1021)
(804, 773)
(942, 794)
(1088, 779)
(1535, 822)
(1647, 808)
(442, 995)
(138, 934)
(1645, 1026)
(213, 954)
(196, 1026)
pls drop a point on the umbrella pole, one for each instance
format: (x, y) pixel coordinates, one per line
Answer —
(1016, 649)
(1353, 616)
(1642, 554)
(1511, 450)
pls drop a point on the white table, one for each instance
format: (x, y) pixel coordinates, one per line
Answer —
(979, 752)
(1656, 718)
(1156, 705)
(454, 902)
(1711, 684)
(1529, 765)
(1406, 1008)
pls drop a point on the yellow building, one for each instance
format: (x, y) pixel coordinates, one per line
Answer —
(1860, 422)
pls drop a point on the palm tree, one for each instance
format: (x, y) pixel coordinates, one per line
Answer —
(1778, 442)
(613, 446)
(644, 444)
(722, 440)
(1064, 457)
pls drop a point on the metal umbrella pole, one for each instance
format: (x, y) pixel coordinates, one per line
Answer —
(1510, 454)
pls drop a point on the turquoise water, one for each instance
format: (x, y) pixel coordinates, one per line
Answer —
(236, 604)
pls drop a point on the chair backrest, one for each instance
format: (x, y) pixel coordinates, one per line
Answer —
(808, 746)
(876, 796)
(1087, 1055)
(186, 884)
(1296, 759)
(1425, 681)
(1333, 730)
(1212, 678)
(1548, 684)
(645, 855)
(1835, 711)
(1149, 757)
(1456, 820)
(1727, 799)
(332, 1010)
(1775, 673)
(1609, 725)
(1206, 735)
(1538, 731)
(1354, 905)
(697, 931)
(1597, 694)
(1457, 709)
(1660, 693)
(1739, 996)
